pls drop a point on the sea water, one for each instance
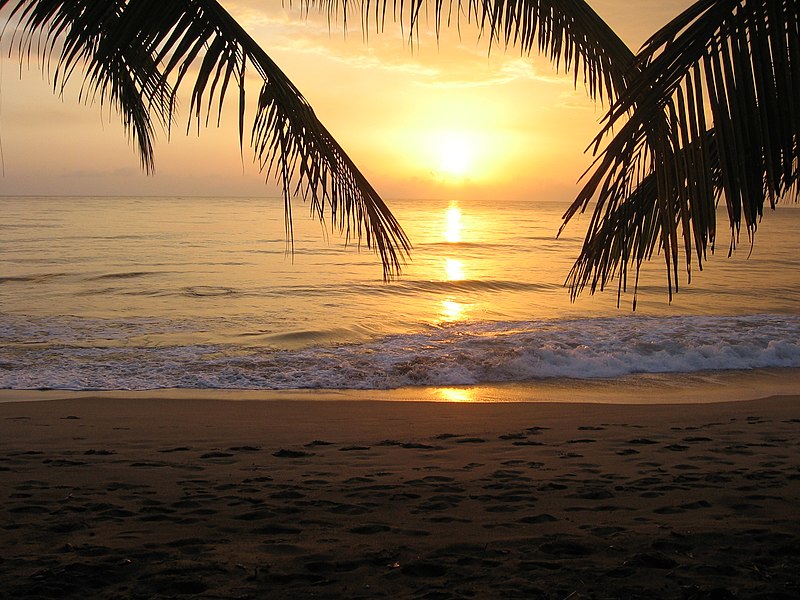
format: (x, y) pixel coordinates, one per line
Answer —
(143, 293)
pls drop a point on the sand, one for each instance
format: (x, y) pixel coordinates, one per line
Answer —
(176, 498)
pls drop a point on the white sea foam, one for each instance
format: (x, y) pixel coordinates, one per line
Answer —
(464, 354)
(135, 293)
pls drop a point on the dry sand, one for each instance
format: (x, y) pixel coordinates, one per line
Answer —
(171, 498)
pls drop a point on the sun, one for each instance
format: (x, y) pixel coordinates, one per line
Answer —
(455, 154)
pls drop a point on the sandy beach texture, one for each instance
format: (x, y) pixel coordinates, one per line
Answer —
(174, 498)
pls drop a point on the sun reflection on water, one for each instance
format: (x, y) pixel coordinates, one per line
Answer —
(452, 311)
(455, 394)
(452, 231)
(453, 269)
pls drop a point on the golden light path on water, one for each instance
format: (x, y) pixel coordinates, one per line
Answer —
(452, 310)
(124, 293)
(453, 226)
(454, 269)
(455, 394)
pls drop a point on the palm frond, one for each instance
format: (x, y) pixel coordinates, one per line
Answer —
(712, 112)
(636, 222)
(123, 76)
(140, 54)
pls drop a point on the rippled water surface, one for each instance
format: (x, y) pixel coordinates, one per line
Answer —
(138, 293)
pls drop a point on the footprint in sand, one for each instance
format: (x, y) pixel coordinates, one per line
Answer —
(285, 453)
(676, 448)
(627, 452)
(354, 480)
(513, 436)
(370, 529)
(672, 510)
(216, 454)
(566, 549)
(63, 462)
(419, 446)
(537, 519)
(536, 429)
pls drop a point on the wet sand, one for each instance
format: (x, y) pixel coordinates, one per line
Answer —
(176, 498)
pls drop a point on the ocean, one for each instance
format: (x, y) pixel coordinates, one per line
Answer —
(144, 293)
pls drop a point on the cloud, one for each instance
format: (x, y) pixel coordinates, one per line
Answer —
(509, 70)
(366, 59)
(451, 67)
(578, 100)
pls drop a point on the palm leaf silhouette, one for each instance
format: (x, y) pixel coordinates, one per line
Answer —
(708, 109)
(713, 112)
(576, 39)
(138, 55)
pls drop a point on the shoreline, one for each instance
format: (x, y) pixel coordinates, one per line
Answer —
(645, 389)
(202, 498)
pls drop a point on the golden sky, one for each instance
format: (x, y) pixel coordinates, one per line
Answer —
(446, 120)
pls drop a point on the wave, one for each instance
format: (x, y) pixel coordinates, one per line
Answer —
(125, 275)
(35, 278)
(465, 285)
(204, 291)
(463, 354)
(466, 245)
(410, 288)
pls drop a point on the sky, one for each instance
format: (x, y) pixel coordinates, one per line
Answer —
(445, 119)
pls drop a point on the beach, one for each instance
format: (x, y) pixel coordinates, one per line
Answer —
(486, 366)
(169, 497)
(274, 428)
